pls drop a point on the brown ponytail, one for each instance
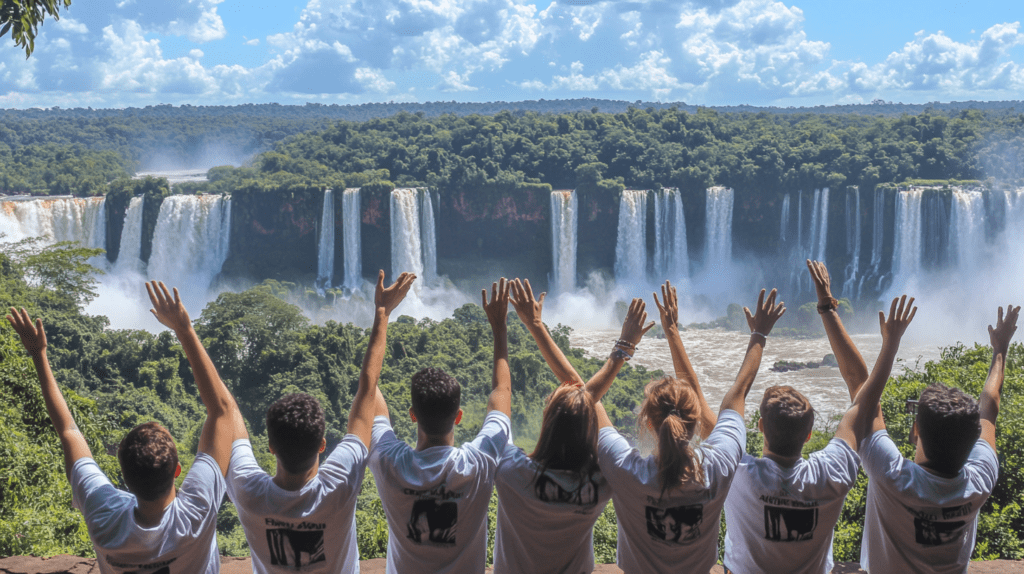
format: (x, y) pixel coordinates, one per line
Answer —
(671, 412)
(568, 433)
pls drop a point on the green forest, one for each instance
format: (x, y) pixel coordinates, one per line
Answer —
(264, 347)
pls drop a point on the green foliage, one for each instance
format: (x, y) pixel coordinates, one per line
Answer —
(23, 17)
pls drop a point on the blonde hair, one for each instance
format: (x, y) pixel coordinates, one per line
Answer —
(568, 433)
(671, 411)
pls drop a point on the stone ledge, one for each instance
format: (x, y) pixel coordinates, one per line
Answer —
(65, 564)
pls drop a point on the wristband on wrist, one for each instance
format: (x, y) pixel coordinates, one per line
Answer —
(761, 334)
(827, 305)
(625, 344)
(619, 354)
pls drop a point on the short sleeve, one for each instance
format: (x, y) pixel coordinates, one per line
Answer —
(382, 433)
(612, 451)
(727, 442)
(983, 465)
(880, 457)
(243, 467)
(90, 488)
(203, 489)
(839, 463)
(346, 463)
(494, 435)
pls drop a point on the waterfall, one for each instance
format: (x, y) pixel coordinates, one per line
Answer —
(563, 241)
(671, 255)
(784, 220)
(428, 238)
(325, 253)
(191, 239)
(967, 227)
(631, 243)
(800, 220)
(406, 242)
(906, 256)
(935, 227)
(718, 227)
(129, 257)
(852, 241)
(352, 230)
(819, 226)
(82, 220)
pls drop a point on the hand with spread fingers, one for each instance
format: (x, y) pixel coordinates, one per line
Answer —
(1002, 333)
(527, 307)
(901, 313)
(33, 337)
(822, 281)
(387, 298)
(497, 308)
(635, 326)
(167, 309)
(767, 313)
(670, 309)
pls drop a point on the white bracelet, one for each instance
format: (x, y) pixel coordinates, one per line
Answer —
(762, 334)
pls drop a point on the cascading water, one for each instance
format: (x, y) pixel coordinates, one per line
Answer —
(671, 254)
(352, 230)
(406, 242)
(631, 242)
(82, 220)
(191, 239)
(718, 227)
(967, 227)
(428, 238)
(852, 241)
(906, 256)
(325, 253)
(935, 226)
(784, 220)
(129, 256)
(819, 225)
(563, 241)
(800, 220)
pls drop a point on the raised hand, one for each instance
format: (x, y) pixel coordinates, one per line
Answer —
(670, 309)
(387, 298)
(766, 315)
(527, 308)
(168, 310)
(900, 316)
(497, 308)
(1005, 327)
(822, 282)
(33, 337)
(635, 326)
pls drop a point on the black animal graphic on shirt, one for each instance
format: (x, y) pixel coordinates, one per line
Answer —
(547, 490)
(676, 525)
(433, 521)
(782, 524)
(288, 547)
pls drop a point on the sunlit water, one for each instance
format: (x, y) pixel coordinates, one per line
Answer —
(716, 356)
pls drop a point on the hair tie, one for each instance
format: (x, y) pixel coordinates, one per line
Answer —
(675, 412)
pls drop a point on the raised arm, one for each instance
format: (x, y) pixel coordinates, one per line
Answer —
(633, 329)
(222, 415)
(529, 311)
(500, 398)
(865, 416)
(680, 360)
(851, 363)
(33, 337)
(760, 324)
(1000, 337)
(368, 401)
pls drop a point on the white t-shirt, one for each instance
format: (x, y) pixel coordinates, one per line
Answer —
(312, 529)
(185, 541)
(545, 522)
(918, 522)
(777, 515)
(677, 532)
(436, 499)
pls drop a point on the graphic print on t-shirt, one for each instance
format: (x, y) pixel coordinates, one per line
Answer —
(783, 524)
(676, 525)
(433, 521)
(162, 567)
(295, 545)
(933, 528)
(547, 490)
(164, 570)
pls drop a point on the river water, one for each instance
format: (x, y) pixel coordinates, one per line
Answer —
(716, 355)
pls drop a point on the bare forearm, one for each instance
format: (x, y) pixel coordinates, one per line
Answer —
(602, 380)
(373, 361)
(212, 391)
(553, 355)
(72, 441)
(687, 375)
(736, 398)
(992, 393)
(851, 364)
(500, 398)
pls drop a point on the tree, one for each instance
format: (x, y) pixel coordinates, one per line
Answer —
(22, 19)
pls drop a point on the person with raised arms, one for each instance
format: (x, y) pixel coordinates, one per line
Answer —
(436, 496)
(782, 509)
(921, 515)
(668, 505)
(154, 527)
(303, 517)
(548, 501)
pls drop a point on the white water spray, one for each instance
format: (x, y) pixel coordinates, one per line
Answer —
(352, 230)
(325, 252)
(718, 227)
(563, 241)
(906, 256)
(852, 241)
(631, 242)
(967, 227)
(784, 220)
(191, 240)
(406, 245)
(671, 253)
(428, 238)
(129, 255)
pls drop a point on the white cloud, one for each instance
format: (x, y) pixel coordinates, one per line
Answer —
(195, 54)
(69, 24)
(253, 42)
(373, 80)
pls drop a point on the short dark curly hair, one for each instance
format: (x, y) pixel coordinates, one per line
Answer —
(149, 460)
(436, 396)
(949, 423)
(295, 429)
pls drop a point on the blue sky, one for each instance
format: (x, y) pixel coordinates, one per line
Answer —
(116, 53)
